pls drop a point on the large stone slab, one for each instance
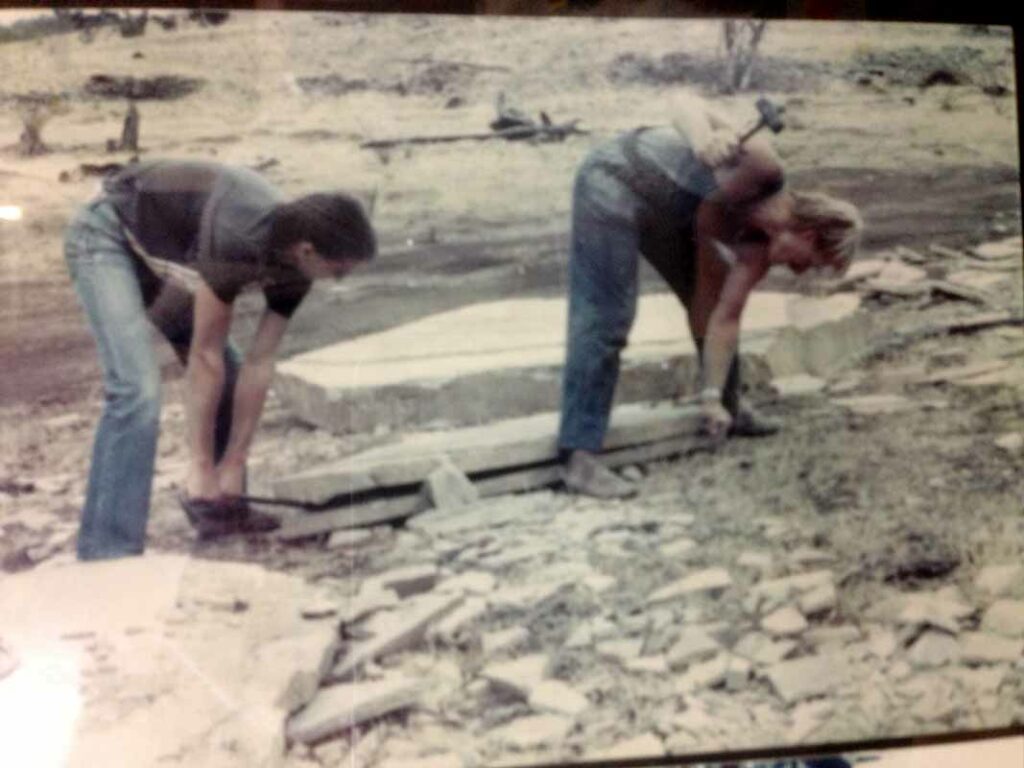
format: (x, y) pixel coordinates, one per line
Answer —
(504, 359)
(156, 657)
(505, 444)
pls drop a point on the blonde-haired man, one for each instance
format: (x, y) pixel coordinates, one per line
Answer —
(712, 217)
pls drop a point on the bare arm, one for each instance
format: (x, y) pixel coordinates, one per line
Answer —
(723, 328)
(205, 378)
(254, 381)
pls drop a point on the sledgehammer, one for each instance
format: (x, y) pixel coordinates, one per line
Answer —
(770, 117)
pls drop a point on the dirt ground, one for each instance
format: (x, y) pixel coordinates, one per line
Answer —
(919, 499)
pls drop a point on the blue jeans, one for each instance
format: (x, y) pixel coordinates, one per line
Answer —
(109, 281)
(603, 289)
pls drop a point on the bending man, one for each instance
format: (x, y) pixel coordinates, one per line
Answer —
(175, 243)
(712, 217)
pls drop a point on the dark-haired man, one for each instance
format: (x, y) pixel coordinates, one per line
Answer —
(173, 243)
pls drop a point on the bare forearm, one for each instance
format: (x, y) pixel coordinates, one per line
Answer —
(250, 394)
(205, 375)
(720, 345)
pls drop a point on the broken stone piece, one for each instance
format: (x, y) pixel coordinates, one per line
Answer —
(709, 580)
(819, 600)
(504, 640)
(341, 707)
(447, 487)
(556, 697)
(1011, 442)
(807, 677)
(448, 626)
(1000, 249)
(737, 674)
(983, 648)
(999, 579)
(934, 649)
(409, 581)
(533, 732)
(349, 538)
(653, 665)
(621, 650)
(758, 561)
(784, 622)
(471, 582)
(875, 405)
(409, 630)
(647, 745)
(694, 644)
(517, 677)
(707, 674)
(800, 385)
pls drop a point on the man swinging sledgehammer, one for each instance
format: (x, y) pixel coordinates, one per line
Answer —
(709, 209)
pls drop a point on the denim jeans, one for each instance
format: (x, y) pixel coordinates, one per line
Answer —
(106, 276)
(603, 290)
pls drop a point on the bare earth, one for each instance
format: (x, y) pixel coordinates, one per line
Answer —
(918, 501)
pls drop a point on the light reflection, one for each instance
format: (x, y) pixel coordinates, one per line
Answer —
(10, 213)
(39, 706)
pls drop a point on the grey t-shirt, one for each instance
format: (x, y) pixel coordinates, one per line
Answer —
(210, 219)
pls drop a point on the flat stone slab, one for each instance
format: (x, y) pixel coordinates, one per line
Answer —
(504, 359)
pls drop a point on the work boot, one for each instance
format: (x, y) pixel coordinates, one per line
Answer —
(749, 423)
(585, 475)
(213, 518)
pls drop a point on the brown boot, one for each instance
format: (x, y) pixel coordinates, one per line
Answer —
(585, 475)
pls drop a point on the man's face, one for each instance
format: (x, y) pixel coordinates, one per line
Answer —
(316, 267)
(796, 250)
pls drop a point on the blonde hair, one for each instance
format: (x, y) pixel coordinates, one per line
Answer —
(837, 225)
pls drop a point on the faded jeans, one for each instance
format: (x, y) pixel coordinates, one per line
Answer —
(110, 284)
(603, 290)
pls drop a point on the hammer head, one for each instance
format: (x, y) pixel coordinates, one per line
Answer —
(771, 114)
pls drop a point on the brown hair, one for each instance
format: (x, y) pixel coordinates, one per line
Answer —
(837, 225)
(335, 223)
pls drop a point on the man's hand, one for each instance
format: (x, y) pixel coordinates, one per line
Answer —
(722, 147)
(715, 421)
